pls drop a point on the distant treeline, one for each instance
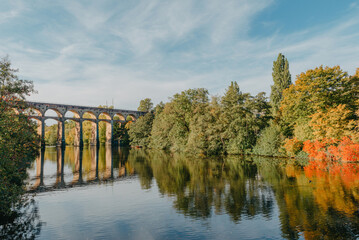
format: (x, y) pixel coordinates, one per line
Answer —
(316, 115)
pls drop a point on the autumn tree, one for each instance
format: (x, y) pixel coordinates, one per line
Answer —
(316, 90)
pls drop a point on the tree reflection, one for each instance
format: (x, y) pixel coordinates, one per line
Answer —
(203, 185)
(312, 203)
(24, 223)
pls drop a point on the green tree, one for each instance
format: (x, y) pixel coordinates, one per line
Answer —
(282, 80)
(171, 127)
(205, 130)
(18, 139)
(146, 105)
(269, 141)
(140, 130)
(51, 135)
(243, 116)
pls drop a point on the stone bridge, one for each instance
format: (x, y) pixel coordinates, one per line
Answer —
(79, 114)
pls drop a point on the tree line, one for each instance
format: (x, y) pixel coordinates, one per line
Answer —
(319, 109)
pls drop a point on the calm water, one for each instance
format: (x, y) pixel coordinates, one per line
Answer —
(133, 194)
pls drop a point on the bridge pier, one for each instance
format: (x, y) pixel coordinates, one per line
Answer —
(42, 132)
(61, 133)
(108, 133)
(63, 139)
(112, 132)
(81, 144)
(97, 133)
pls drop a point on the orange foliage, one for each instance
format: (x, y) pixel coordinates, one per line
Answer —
(292, 146)
(327, 149)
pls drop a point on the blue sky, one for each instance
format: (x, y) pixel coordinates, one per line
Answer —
(90, 52)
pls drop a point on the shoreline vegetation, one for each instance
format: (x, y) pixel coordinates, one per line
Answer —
(19, 145)
(316, 117)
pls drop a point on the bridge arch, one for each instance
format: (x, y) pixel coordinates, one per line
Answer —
(72, 114)
(49, 112)
(31, 111)
(131, 117)
(119, 116)
(59, 128)
(89, 115)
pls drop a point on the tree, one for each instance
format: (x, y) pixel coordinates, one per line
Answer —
(171, 126)
(315, 91)
(18, 139)
(282, 80)
(269, 141)
(11, 87)
(146, 105)
(333, 123)
(140, 130)
(243, 116)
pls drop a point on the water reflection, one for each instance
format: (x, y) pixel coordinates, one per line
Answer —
(23, 224)
(77, 166)
(309, 202)
(314, 206)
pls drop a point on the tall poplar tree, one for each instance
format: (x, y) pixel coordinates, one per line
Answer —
(281, 79)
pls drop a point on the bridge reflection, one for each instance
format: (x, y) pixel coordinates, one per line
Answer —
(77, 166)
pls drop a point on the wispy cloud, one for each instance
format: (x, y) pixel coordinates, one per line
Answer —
(87, 52)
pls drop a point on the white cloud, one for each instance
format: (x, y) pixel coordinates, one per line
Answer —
(129, 51)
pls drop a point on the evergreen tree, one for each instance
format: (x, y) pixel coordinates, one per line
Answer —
(281, 79)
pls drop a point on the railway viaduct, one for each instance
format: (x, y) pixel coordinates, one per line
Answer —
(79, 114)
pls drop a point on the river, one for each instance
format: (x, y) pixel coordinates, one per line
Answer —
(120, 193)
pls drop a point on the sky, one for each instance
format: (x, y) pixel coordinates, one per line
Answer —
(96, 52)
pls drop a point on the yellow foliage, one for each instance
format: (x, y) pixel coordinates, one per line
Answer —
(332, 123)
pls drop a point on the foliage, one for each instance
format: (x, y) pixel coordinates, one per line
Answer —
(171, 127)
(243, 116)
(146, 105)
(205, 128)
(191, 123)
(329, 149)
(18, 139)
(282, 80)
(333, 122)
(292, 146)
(51, 135)
(315, 91)
(321, 105)
(140, 130)
(11, 87)
(269, 141)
